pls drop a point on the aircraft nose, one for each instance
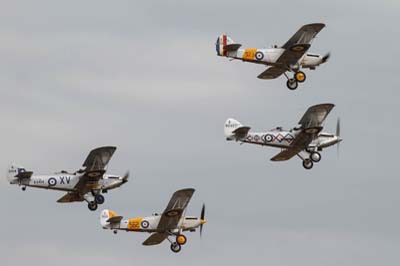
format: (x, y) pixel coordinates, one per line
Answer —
(203, 221)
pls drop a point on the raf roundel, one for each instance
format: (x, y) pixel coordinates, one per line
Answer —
(52, 182)
(145, 224)
(268, 138)
(259, 56)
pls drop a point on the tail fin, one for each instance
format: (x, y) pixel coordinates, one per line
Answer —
(106, 217)
(225, 44)
(14, 173)
(234, 130)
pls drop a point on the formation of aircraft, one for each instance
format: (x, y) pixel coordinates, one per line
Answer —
(305, 140)
(290, 57)
(86, 184)
(168, 225)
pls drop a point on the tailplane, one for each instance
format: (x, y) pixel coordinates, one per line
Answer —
(16, 173)
(108, 217)
(225, 44)
(234, 130)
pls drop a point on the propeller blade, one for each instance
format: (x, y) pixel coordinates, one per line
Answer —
(338, 136)
(125, 178)
(202, 215)
(326, 57)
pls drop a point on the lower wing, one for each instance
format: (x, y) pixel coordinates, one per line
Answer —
(155, 239)
(272, 73)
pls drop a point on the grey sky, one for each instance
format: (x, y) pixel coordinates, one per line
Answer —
(144, 76)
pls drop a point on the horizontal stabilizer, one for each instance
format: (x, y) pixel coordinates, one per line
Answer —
(24, 174)
(232, 47)
(115, 219)
(241, 132)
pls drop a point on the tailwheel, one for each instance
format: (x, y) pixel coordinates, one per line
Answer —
(23, 188)
(181, 239)
(99, 199)
(300, 76)
(307, 164)
(92, 206)
(115, 232)
(175, 247)
(315, 157)
(292, 84)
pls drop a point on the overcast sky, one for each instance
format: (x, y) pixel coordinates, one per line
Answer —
(144, 76)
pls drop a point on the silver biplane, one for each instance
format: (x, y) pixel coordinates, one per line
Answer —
(291, 57)
(305, 140)
(86, 184)
(168, 225)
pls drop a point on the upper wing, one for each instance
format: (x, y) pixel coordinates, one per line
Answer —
(155, 239)
(173, 213)
(272, 73)
(304, 35)
(315, 115)
(300, 142)
(99, 158)
(289, 57)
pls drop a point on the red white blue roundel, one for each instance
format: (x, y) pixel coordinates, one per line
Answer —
(259, 55)
(268, 138)
(145, 224)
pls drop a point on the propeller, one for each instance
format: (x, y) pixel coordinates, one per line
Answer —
(338, 135)
(326, 57)
(202, 220)
(125, 178)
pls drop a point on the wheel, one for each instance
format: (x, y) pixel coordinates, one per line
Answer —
(307, 164)
(99, 199)
(181, 239)
(175, 247)
(315, 157)
(300, 76)
(23, 188)
(115, 232)
(292, 84)
(92, 206)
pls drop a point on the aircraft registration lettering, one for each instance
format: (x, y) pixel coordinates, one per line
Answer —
(134, 223)
(249, 53)
(38, 181)
(65, 179)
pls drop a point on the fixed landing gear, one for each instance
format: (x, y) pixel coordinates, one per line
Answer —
(23, 188)
(298, 77)
(181, 239)
(115, 232)
(315, 157)
(92, 205)
(292, 84)
(175, 247)
(308, 164)
(99, 199)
